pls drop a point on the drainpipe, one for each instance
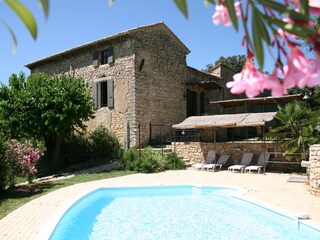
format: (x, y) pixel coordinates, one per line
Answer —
(127, 135)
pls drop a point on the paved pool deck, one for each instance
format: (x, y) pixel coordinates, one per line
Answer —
(37, 218)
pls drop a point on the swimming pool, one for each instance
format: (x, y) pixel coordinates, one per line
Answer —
(175, 212)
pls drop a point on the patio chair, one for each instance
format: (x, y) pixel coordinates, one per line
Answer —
(245, 161)
(222, 161)
(262, 161)
(211, 157)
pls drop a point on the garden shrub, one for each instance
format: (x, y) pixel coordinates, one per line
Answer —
(104, 144)
(101, 144)
(77, 148)
(174, 162)
(131, 159)
(3, 166)
(23, 158)
(151, 161)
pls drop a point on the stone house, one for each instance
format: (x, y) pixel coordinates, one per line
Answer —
(140, 80)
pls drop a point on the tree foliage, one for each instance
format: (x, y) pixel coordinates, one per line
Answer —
(235, 62)
(297, 128)
(44, 107)
(311, 96)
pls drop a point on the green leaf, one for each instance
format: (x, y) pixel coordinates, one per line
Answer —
(13, 36)
(25, 15)
(262, 26)
(111, 2)
(274, 5)
(285, 10)
(304, 8)
(257, 40)
(183, 7)
(291, 28)
(45, 6)
(265, 33)
(232, 13)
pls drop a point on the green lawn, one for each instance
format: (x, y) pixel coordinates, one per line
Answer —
(11, 200)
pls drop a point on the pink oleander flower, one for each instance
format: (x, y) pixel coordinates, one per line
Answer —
(312, 79)
(274, 85)
(250, 80)
(314, 6)
(297, 68)
(221, 14)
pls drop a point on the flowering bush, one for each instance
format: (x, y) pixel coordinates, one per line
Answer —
(23, 157)
(3, 165)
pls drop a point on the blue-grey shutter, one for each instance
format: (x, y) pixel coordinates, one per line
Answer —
(95, 55)
(110, 55)
(95, 94)
(110, 94)
(95, 58)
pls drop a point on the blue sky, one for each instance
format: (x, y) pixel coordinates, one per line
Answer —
(72, 23)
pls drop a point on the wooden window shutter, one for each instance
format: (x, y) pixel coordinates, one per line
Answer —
(110, 55)
(95, 94)
(110, 94)
(95, 58)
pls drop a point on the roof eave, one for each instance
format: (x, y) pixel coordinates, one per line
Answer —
(110, 39)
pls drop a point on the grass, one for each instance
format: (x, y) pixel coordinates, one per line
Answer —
(12, 199)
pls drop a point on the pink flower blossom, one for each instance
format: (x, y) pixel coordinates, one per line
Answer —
(312, 78)
(222, 15)
(314, 6)
(274, 85)
(297, 68)
(25, 157)
(250, 80)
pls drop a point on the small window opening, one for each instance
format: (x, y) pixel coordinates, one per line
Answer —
(104, 94)
(104, 57)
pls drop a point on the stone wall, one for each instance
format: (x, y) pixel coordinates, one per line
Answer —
(197, 151)
(315, 169)
(160, 75)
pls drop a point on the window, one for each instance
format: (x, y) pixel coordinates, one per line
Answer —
(192, 106)
(195, 103)
(102, 93)
(102, 57)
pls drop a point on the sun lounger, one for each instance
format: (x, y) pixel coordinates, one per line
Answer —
(211, 157)
(222, 161)
(245, 161)
(262, 161)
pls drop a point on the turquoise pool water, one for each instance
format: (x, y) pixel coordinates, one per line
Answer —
(181, 212)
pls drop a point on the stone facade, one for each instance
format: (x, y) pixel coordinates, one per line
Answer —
(149, 73)
(160, 82)
(315, 169)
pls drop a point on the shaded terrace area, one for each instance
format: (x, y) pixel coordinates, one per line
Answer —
(197, 151)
